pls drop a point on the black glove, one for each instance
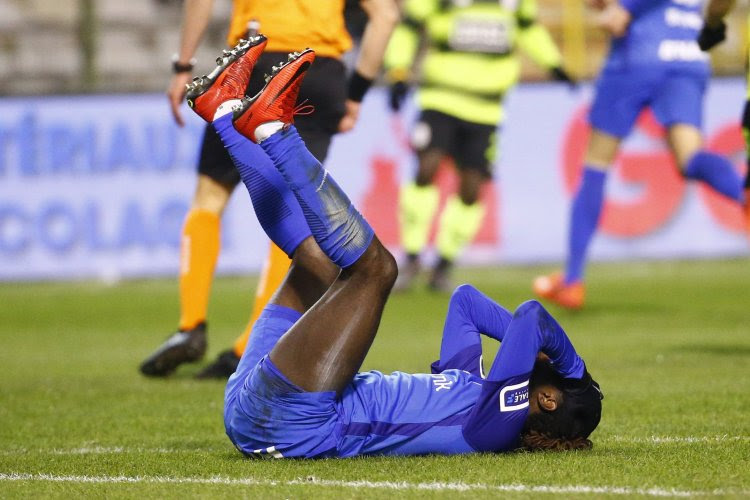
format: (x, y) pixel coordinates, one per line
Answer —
(397, 95)
(561, 75)
(709, 37)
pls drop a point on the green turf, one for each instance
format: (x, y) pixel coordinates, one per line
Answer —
(669, 343)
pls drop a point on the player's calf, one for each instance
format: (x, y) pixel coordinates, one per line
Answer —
(266, 119)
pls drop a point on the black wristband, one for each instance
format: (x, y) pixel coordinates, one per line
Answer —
(358, 86)
(178, 67)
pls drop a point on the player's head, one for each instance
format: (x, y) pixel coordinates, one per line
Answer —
(562, 413)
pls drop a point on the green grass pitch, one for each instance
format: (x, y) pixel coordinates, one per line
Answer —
(668, 341)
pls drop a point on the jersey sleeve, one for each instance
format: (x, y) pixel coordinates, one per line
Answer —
(531, 330)
(470, 313)
(534, 39)
(402, 47)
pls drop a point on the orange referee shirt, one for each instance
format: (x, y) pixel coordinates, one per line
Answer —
(293, 25)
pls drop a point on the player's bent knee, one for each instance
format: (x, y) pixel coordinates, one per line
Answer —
(530, 307)
(376, 266)
(462, 294)
(383, 265)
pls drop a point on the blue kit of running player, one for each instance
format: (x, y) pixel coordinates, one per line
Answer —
(657, 63)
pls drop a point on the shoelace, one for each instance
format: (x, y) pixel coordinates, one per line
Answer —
(303, 109)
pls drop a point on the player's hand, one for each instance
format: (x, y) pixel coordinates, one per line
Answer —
(615, 19)
(711, 36)
(349, 120)
(176, 95)
(397, 95)
(560, 75)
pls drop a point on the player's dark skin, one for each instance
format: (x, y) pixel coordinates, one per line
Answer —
(326, 347)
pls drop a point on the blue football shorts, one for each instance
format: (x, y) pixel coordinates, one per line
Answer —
(674, 97)
(272, 417)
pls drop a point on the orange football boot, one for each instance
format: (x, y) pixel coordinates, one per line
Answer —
(553, 288)
(276, 101)
(228, 80)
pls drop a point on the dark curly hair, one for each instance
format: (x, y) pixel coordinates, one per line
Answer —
(575, 418)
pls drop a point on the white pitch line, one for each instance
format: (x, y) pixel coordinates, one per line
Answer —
(105, 450)
(678, 439)
(379, 485)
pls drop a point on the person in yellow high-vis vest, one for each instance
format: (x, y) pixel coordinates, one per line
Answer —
(289, 25)
(470, 63)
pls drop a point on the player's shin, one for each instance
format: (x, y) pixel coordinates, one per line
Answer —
(458, 226)
(717, 172)
(340, 230)
(584, 219)
(417, 207)
(275, 205)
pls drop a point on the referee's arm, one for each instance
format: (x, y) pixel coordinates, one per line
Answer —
(196, 15)
(383, 15)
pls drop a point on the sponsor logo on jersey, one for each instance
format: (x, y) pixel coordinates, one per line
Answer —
(681, 50)
(679, 18)
(514, 397)
(442, 382)
(489, 36)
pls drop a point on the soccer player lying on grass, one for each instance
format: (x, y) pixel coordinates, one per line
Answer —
(297, 391)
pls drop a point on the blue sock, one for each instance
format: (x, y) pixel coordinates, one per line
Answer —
(340, 230)
(584, 219)
(275, 205)
(717, 172)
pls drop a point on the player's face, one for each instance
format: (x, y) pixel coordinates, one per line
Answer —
(544, 397)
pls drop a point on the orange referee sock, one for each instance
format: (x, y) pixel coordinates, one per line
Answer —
(199, 249)
(273, 273)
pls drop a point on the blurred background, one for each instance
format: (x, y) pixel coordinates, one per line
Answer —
(82, 46)
(95, 177)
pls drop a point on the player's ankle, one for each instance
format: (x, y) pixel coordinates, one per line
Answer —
(266, 130)
(225, 108)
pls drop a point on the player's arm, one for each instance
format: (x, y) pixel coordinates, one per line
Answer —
(532, 330)
(470, 313)
(403, 46)
(714, 29)
(615, 17)
(535, 40)
(382, 17)
(196, 15)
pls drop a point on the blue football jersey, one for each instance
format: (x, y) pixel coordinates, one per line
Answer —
(407, 414)
(662, 34)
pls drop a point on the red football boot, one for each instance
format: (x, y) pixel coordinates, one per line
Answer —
(276, 101)
(228, 80)
(553, 287)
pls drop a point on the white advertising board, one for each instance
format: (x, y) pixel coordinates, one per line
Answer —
(97, 186)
